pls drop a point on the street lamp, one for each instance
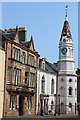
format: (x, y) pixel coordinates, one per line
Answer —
(59, 104)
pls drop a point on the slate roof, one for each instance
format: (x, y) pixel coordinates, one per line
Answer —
(2, 39)
(66, 30)
(49, 67)
(10, 35)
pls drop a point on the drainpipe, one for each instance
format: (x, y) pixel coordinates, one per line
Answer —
(5, 78)
(36, 83)
(57, 94)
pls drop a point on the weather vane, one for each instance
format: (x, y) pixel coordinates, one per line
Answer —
(66, 8)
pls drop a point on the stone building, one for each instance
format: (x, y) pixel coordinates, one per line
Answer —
(21, 66)
(60, 78)
(46, 87)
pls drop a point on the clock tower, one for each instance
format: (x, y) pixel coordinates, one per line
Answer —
(67, 80)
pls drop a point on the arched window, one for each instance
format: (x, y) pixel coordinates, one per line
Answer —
(70, 106)
(70, 90)
(52, 105)
(43, 84)
(52, 86)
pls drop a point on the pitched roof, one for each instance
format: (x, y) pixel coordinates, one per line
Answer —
(2, 39)
(10, 35)
(49, 67)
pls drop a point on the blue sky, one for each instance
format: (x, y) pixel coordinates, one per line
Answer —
(44, 21)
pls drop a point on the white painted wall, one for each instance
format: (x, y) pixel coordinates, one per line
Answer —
(48, 78)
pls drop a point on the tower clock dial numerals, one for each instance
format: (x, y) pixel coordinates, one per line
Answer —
(64, 50)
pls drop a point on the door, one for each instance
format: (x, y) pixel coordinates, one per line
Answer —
(21, 99)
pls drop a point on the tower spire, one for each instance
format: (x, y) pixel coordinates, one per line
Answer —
(66, 30)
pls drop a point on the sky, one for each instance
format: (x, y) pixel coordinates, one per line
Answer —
(44, 21)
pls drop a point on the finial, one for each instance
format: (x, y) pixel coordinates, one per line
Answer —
(66, 9)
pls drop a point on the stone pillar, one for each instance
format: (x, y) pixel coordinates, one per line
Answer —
(41, 106)
(47, 106)
(44, 106)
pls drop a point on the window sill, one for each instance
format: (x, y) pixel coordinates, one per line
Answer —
(12, 109)
(8, 83)
(70, 96)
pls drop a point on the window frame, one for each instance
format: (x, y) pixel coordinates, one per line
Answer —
(52, 86)
(70, 91)
(9, 75)
(43, 85)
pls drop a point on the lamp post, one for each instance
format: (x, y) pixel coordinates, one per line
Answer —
(59, 104)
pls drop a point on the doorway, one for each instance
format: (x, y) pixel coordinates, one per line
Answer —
(21, 102)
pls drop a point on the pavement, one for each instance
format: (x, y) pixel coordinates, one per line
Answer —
(46, 117)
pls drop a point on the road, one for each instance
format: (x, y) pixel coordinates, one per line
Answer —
(50, 117)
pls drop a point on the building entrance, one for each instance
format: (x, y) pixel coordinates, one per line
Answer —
(21, 103)
(44, 104)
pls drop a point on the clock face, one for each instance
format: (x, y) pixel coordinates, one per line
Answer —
(64, 50)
